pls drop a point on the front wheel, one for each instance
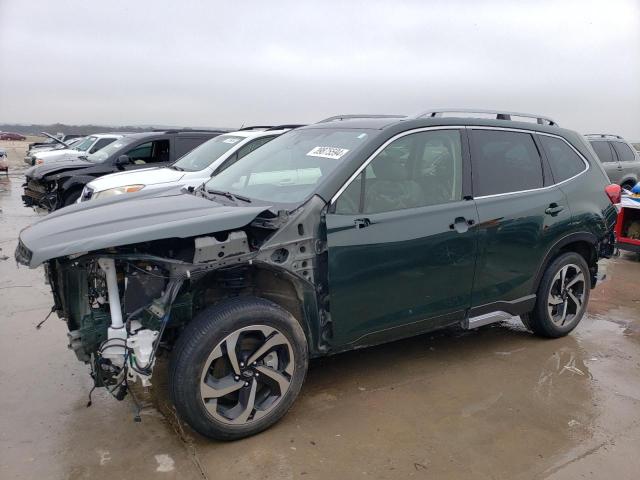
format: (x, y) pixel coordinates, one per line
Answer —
(561, 298)
(237, 368)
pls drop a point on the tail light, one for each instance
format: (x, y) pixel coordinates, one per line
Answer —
(614, 192)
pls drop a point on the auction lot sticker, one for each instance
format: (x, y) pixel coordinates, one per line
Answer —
(334, 153)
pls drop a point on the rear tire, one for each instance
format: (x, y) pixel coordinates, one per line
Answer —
(562, 297)
(237, 368)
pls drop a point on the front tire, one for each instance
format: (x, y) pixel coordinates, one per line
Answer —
(237, 368)
(562, 297)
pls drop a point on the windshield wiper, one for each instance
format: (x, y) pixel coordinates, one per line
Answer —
(180, 169)
(229, 195)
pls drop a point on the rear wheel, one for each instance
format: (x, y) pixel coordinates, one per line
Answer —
(562, 297)
(237, 368)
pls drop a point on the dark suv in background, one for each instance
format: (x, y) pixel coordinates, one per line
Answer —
(60, 184)
(354, 231)
(620, 160)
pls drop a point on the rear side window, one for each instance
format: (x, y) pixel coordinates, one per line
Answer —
(603, 150)
(624, 152)
(565, 163)
(504, 162)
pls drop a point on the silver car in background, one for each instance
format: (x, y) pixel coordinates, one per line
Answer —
(618, 157)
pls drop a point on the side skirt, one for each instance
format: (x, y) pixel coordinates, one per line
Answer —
(498, 311)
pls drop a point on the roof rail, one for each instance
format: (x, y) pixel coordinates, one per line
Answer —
(286, 126)
(350, 116)
(604, 135)
(187, 130)
(500, 115)
(254, 127)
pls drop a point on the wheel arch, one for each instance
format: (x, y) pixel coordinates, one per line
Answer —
(257, 279)
(582, 243)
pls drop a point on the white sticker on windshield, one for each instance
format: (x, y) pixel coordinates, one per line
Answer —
(231, 140)
(334, 153)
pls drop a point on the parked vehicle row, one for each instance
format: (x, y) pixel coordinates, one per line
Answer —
(60, 183)
(350, 232)
(191, 170)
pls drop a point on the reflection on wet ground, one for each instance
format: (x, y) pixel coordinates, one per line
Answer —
(492, 403)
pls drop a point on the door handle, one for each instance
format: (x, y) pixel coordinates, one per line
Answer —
(553, 209)
(361, 222)
(461, 224)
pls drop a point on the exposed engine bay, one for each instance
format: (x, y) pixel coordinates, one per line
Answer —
(125, 305)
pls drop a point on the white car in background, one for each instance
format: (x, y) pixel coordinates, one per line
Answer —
(191, 170)
(89, 145)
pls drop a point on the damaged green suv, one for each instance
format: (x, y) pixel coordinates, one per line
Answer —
(351, 232)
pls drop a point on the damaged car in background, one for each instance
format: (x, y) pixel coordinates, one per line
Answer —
(351, 232)
(51, 187)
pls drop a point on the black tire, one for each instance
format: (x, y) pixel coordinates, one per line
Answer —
(540, 321)
(203, 335)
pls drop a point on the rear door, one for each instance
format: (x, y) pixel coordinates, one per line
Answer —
(521, 214)
(401, 241)
(609, 159)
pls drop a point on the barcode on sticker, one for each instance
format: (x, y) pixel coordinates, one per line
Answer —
(328, 152)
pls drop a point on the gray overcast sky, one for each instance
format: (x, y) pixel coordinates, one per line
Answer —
(206, 63)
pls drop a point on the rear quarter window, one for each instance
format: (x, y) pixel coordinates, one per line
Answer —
(504, 162)
(625, 154)
(565, 162)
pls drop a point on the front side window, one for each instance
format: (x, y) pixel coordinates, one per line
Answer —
(625, 154)
(150, 152)
(504, 162)
(416, 170)
(603, 150)
(289, 168)
(201, 157)
(565, 163)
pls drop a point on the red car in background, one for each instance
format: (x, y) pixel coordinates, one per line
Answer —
(11, 136)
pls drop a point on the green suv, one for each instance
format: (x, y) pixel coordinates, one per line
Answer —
(351, 232)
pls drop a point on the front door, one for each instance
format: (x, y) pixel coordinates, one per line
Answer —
(402, 242)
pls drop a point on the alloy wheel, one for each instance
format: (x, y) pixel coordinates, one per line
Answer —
(566, 296)
(247, 374)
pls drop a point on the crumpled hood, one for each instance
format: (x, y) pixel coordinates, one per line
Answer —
(147, 176)
(40, 171)
(91, 226)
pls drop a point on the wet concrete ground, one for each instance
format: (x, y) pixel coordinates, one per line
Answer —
(495, 403)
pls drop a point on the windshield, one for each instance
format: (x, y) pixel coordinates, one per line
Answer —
(204, 155)
(288, 169)
(104, 153)
(84, 145)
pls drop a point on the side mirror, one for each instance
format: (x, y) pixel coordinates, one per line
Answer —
(122, 160)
